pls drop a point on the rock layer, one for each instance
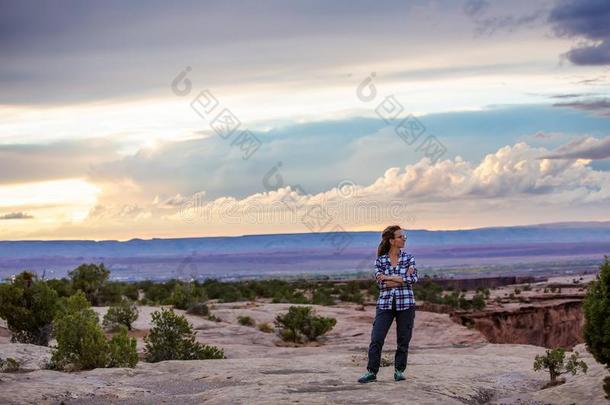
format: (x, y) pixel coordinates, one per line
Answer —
(558, 323)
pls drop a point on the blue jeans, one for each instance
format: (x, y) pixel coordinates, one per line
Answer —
(404, 329)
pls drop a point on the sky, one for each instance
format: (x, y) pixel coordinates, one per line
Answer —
(123, 120)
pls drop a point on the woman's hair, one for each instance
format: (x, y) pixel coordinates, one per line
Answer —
(386, 235)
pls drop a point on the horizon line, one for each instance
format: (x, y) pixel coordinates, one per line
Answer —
(562, 223)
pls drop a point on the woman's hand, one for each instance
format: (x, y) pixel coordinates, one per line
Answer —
(393, 284)
(380, 277)
(410, 271)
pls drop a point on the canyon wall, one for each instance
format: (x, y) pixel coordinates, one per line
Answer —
(549, 324)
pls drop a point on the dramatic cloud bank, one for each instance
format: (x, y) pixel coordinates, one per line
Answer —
(584, 19)
(516, 183)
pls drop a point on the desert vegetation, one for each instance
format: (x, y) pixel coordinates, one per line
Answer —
(300, 324)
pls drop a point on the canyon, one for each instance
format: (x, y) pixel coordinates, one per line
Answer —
(544, 313)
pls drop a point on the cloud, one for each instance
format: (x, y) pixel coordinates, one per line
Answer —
(118, 212)
(318, 155)
(540, 135)
(450, 193)
(573, 95)
(599, 106)
(182, 168)
(509, 23)
(272, 48)
(474, 7)
(588, 20)
(174, 201)
(517, 171)
(177, 169)
(583, 148)
(315, 155)
(139, 50)
(593, 81)
(490, 18)
(509, 172)
(16, 215)
(51, 161)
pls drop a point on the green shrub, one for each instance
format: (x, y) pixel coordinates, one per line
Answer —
(214, 318)
(184, 295)
(131, 291)
(89, 278)
(171, 337)
(62, 286)
(122, 350)
(349, 296)
(478, 302)
(279, 289)
(464, 303)
(157, 293)
(230, 293)
(293, 297)
(289, 335)
(322, 296)
(198, 308)
(553, 360)
(81, 343)
(28, 306)
(429, 291)
(10, 365)
(301, 324)
(373, 290)
(517, 291)
(111, 293)
(265, 327)
(125, 313)
(455, 298)
(596, 308)
(484, 291)
(246, 320)
(318, 326)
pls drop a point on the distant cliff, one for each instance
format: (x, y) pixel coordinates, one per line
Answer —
(542, 249)
(553, 324)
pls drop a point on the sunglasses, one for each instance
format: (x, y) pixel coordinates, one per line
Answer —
(402, 236)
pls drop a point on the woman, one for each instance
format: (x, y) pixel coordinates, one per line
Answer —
(395, 273)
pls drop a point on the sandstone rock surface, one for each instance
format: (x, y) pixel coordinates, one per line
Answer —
(448, 364)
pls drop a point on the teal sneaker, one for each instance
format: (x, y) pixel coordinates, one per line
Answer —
(399, 375)
(367, 377)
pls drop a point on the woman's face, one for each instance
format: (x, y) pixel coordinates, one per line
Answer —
(400, 239)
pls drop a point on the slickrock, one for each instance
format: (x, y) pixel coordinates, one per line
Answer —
(448, 364)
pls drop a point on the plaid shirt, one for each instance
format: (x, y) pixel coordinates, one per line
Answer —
(404, 294)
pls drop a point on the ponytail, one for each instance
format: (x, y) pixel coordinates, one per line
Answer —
(386, 235)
